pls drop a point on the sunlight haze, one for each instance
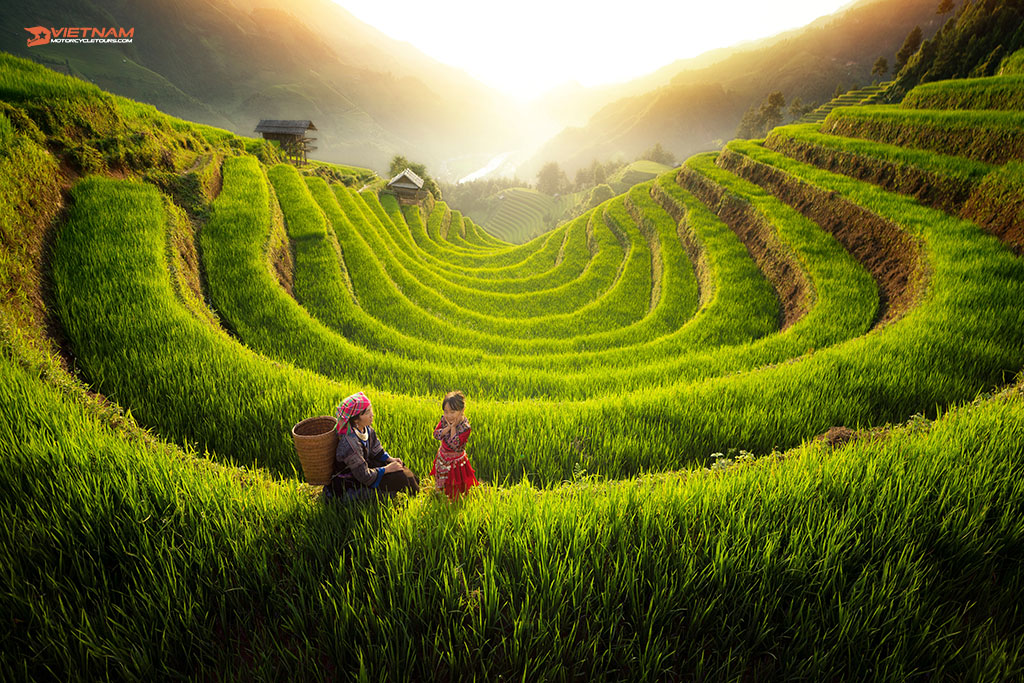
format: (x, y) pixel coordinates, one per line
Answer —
(527, 48)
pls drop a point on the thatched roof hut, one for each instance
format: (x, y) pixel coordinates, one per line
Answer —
(408, 186)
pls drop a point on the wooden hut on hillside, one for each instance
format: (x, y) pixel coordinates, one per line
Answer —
(408, 187)
(291, 135)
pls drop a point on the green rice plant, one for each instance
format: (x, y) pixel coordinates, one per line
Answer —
(412, 216)
(456, 232)
(942, 165)
(995, 92)
(315, 350)
(844, 289)
(992, 137)
(314, 287)
(1013, 64)
(679, 304)
(897, 557)
(149, 353)
(439, 216)
(997, 204)
(561, 299)
(568, 251)
(517, 214)
(29, 200)
(632, 333)
(271, 323)
(477, 235)
(908, 546)
(320, 296)
(429, 300)
(941, 181)
(557, 243)
(852, 97)
(668, 372)
(22, 80)
(542, 251)
(751, 292)
(258, 311)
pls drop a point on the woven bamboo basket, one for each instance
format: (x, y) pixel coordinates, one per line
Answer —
(316, 439)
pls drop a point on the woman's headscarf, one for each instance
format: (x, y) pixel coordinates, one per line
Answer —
(352, 405)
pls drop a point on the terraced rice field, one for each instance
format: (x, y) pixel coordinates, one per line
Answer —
(847, 99)
(519, 213)
(862, 273)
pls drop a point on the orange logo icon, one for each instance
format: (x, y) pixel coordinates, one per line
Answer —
(40, 36)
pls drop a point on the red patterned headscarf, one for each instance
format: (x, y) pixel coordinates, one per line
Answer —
(353, 405)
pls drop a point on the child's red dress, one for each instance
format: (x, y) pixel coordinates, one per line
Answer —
(451, 471)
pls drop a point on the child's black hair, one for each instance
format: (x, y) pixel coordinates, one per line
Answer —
(454, 400)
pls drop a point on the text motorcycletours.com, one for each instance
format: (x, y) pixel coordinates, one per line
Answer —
(42, 35)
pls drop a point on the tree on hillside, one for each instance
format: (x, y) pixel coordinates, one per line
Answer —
(757, 122)
(910, 46)
(659, 155)
(584, 178)
(750, 126)
(598, 173)
(771, 110)
(599, 194)
(551, 179)
(797, 108)
(945, 7)
(880, 67)
(838, 92)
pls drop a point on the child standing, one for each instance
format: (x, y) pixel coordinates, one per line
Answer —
(452, 472)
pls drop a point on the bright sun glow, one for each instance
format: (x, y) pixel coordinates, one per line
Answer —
(531, 46)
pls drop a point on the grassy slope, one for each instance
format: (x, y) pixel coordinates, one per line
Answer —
(636, 173)
(897, 558)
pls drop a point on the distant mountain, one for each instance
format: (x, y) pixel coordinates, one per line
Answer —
(231, 62)
(698, 107)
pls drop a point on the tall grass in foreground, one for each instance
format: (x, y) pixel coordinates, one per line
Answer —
(892, 559)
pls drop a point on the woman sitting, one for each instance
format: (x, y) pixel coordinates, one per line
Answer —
(361, 465)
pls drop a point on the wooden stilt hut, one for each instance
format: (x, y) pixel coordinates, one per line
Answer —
(408, 187)
(291, 135)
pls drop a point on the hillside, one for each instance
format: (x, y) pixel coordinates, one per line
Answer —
(759, 417)
(699, 108)
(231, 64)
(972, 43)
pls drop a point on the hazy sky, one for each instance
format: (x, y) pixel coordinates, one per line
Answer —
(525, 48)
